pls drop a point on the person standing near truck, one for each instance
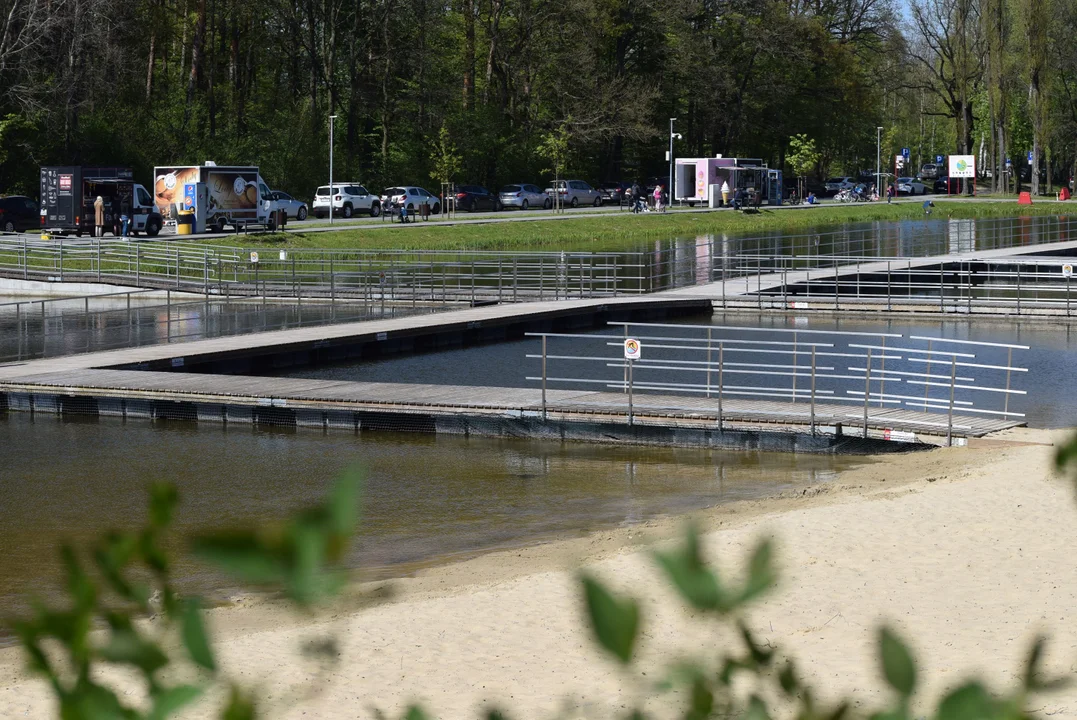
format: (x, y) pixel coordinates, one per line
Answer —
(99, 216)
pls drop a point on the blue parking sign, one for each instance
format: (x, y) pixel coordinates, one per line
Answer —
(939, 159)
(1029, 157)
(905, 152)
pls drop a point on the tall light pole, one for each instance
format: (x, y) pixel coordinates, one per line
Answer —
(878, 160)
(669, 188)
(331, 119)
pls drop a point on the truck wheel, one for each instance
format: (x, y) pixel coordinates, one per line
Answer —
(302, 214)
(153, 227)
(347, 212)
(375, 209)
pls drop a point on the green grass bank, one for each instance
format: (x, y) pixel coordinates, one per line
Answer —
(623, 231)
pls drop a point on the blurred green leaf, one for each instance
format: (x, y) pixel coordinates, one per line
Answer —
(758, 654)
(757, 709)
(170, 701)
(761, 573)
(898, 665)
(240, 706)
(163, 500)
(415, 713)
(615, 622)
(1033, 678)
(89, 701)
(968, 702)
(194, 635)
(242, 554)
(787, 678)
(125, 645)
(702, 701)
(343, 503)
(82, 589)
(685, 567)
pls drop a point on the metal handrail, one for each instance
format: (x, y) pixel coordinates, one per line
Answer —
(873, 370)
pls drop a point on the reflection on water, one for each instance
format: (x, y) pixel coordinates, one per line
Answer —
(425, 499)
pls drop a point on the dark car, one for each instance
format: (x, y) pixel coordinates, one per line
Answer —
(475, 197)
(941, 183)
(19, 213)
(614, 192)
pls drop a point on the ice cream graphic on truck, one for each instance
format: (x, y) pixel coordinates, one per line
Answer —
(236, 194)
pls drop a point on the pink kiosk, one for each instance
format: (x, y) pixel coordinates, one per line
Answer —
(699, 180)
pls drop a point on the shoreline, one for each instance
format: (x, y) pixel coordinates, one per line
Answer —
(927, 537)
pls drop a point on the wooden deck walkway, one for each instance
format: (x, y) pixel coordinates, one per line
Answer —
(456, 400)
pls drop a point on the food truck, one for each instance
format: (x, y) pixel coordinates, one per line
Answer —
(699, 180)
(68, 193)
(216, 195)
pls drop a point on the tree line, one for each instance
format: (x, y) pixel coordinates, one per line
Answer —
(155, 82)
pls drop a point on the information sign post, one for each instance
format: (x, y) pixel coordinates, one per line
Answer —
(633, 352)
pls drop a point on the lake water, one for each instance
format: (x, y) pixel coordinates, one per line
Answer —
(426, 499)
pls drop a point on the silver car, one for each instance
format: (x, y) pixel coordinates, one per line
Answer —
(524, 196)
(575, 193)
(283, 201)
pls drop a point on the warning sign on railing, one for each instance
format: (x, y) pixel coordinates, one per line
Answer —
(1067, 270)
(633, 349)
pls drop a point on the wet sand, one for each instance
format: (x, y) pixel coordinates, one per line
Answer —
(967, 550)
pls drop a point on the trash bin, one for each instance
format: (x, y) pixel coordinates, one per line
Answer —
(185, 222)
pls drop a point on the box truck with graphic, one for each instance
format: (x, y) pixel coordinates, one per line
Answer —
(222, 195)
(68, 194)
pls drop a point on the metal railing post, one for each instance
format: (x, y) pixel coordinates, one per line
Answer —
(1018, 288)
(630, 364)
(543, 378)
(709, 356)
(888, 281)
(950, 414)
(1006, 395)
(721, 369)
(867, 392)
(795, 367)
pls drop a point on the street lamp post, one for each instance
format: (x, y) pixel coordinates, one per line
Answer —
(331, 119)
(878, 160)
(669, 189)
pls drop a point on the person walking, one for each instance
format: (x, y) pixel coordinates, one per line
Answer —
(99, 216)
(658, 198)
(889, 193)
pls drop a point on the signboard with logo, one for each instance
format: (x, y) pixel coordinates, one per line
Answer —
(962, 166)
(633, 349)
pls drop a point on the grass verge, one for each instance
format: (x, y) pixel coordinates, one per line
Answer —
(624, 231)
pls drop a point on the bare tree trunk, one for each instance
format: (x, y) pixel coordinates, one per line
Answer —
(469, 53)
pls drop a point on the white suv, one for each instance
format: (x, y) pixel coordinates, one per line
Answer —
(347, 199)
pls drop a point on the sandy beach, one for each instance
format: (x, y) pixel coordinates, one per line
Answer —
(969, 551)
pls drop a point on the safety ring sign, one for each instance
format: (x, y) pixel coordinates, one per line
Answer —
(633, 349)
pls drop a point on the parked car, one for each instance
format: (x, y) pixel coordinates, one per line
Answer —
(475, 197)
(930, 171)
(941, 185)
(283, 201)
(524, 196)
(910, 186)
(575, 193)
(836, 184)
(413, 196)
(614, 192)
(19, 213)
(346, 200)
